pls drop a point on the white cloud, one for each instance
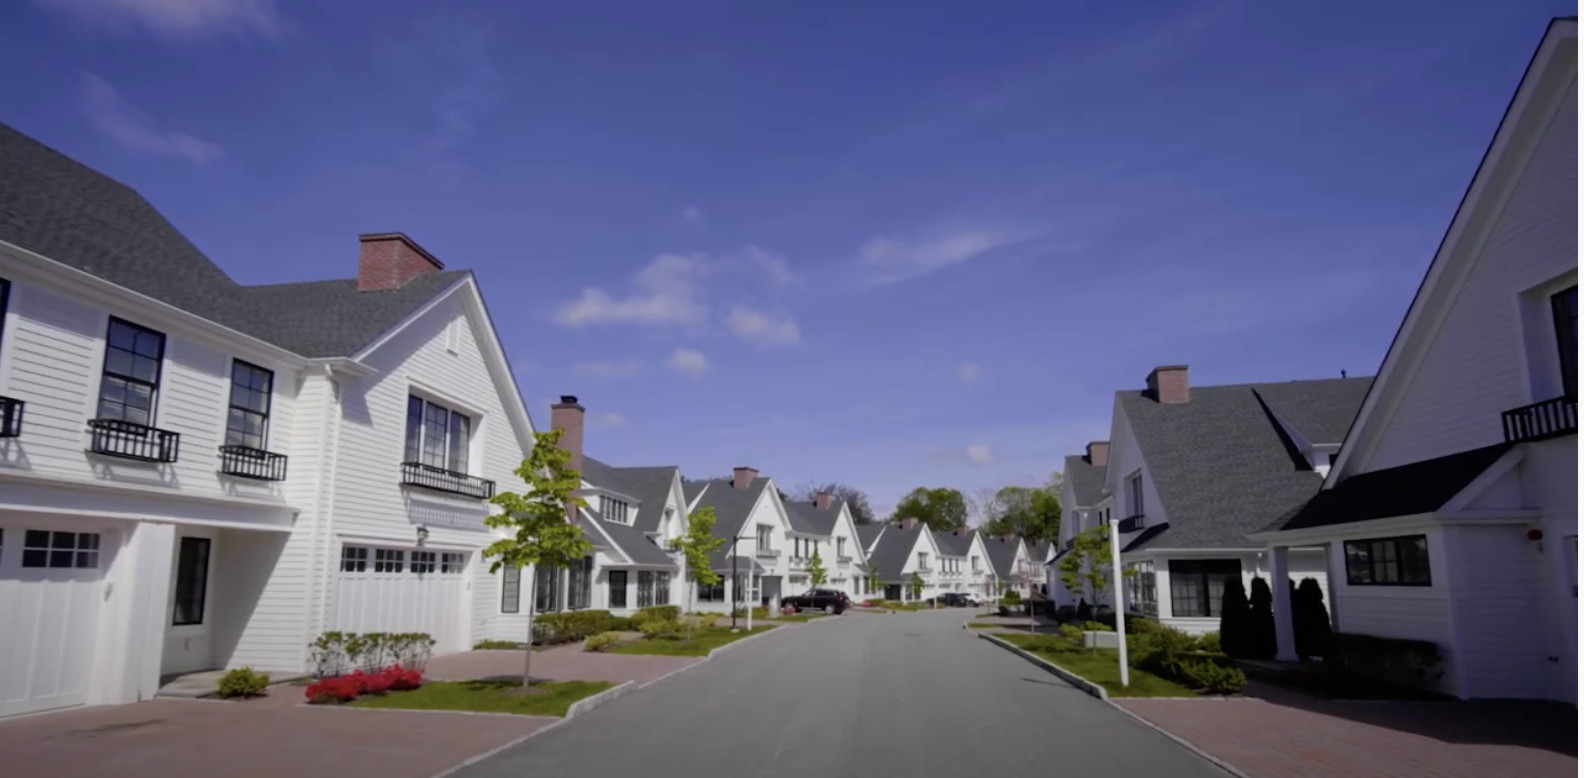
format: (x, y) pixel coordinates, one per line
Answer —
(979, 454)
(665, 293)
(688, 362)
(969, 372)
(174, 19)
(771, 265)
(119, 120)
(693, 215)
(976, 454)
(762, 329)
(610, 420)
(608, 368)
(892, 260)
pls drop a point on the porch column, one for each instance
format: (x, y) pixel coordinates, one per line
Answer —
(1281, 602)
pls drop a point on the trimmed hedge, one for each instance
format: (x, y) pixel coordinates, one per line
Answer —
(656, 613)
(572, 626)
(1406, 664)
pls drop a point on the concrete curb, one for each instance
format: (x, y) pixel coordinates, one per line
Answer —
(1085, 686)
(711, 654)
(1099, 693)
(594, 701)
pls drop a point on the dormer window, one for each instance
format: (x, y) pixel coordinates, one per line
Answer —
(615, 510)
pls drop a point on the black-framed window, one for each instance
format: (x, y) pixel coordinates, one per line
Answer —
(615, 510)
(134, 357)
(616, 583)
(1564, 317)
(762, 535)
(437, 436)
(715, 592)
(511, 589)
(389, 560)
(247, 418)
(580, 585)
(1136, 494)
(547, 589)
(1140, 588)
(42, 548)
(354, 559)
(1398, 561)
(654, 588)
(424, 562)
(192, 581)
(5, 300)
(1197, 585)
(453, 562)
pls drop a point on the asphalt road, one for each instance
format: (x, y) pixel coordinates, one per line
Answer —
(866, 696)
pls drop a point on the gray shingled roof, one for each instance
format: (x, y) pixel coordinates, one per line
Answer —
(1002, 554)
(890, 554)
(692, 489)
(953, 544)
(1220, 464)
(651, 486)
(1405, 490)
(867, 533)
(54, 206)
(806, 517)
(1088, 480)
(732, 507)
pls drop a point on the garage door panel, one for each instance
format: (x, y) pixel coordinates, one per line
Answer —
(50, 587)
(378, 591)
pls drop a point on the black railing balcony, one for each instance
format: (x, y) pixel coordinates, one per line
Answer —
(1131, 523)
(129, 440)
(10, 417)
(258, 464)
(441, 480)
(1552, 418)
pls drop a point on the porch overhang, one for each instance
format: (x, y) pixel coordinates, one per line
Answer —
(1313, 536)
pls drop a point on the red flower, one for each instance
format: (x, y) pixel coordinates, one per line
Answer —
(333, 691)
(402, 679)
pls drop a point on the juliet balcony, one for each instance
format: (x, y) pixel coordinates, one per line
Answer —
(437, 479)
(1554, 418)
(129, 440)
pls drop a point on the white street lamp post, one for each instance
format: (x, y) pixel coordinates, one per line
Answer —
(1116, 602)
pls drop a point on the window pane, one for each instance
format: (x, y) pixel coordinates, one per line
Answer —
(192, 575)
(461, 430)
(511, 589)
(434, 433)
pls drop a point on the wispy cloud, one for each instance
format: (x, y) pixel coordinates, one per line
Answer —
(772, 265)
(610, 420)
(889, 260)
(608, 369)
(688, 362)
(664, 293)
(760, 328)
(174, 19)
(473, 88)
(693, 215)
(974, 454)
(119, 120)
(969, 372)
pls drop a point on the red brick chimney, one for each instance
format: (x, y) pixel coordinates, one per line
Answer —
(823, 500)
(1008, 538)
(909, 523)
(388, 260)
(962, 530)
(743, 477)
(1168, 384)
(567, 416)
(1097, 452)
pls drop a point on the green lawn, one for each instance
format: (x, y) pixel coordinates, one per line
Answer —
(1098, 666)
(552, 699)
(798, 616)
(983, 625)
(703, 642)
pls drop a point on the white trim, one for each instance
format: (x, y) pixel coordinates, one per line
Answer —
(1520, 132)
(1356, 529)
(86, 287)
(118, 486)
(1484, 481)
(409, 543)
(50, 510)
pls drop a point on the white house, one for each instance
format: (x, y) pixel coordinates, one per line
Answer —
(901, 551)
(1451, 513)
(1012, 563)
(965, 565)
(825, 526)
(197, 474)
(1083, 481)
(757, 557)
(1192, 470)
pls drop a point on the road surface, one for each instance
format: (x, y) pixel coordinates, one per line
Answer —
(908, 694)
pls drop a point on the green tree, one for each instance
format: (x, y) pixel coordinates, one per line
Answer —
(540, 533)
(942, 509)
(874, 583)
(857, 500)
(1033, 513)
(917, 585)
(1087, 567)
(816, 569)
(1235, 619)
(696, 546)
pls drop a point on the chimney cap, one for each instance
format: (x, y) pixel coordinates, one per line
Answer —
(568, 399)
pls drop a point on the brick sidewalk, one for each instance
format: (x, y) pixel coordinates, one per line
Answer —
(1279, 734)
(562, 663)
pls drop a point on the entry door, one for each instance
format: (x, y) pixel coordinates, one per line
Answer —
(617, 581)
(50, 584)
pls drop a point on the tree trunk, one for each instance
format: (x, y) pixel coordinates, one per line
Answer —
(528, 647)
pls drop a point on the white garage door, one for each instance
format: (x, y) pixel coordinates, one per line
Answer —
(49, 610)
(402, 590)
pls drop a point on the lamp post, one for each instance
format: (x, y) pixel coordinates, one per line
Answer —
(1116, 602)
(735, 593)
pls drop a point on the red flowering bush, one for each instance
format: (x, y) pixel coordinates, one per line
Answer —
(402, 679)
(334, 691)
(374, 684)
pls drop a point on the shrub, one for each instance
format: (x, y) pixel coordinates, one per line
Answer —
(1085, 610)
(1210, 642)
(572, 626)
(656, 613)
(1012, 597)
(496, 645)
(662, 630)
(1201, 673)
(1072, 633)
(1311, 621)
(620, 624)
(1138, 625)
(1261, 635)
(374, 684)
(329, 655)
(1234, 618)
(1098, 626)
(332, 691)
(1407, 664)
(411, 649)
(336, 653)
(402, 679)
(243, 682)
(602, 641)
(1180, 657)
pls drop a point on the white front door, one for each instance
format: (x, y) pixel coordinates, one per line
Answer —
(402, 590)
(50, 585)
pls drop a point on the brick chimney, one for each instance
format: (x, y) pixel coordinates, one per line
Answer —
(567, 416)
(388, 260)
(1097, 451)
(743, 477)
(908, 523)
(1008, 538)
(962, 530)
(823, 500)
(1168, 384)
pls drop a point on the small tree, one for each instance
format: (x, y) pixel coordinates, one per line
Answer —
(1234, 618)
(1086, 569)
(1311, 621)
(696, 546)
(874, 583)
(917, 584)
(816, 570)
(539, 532)
(1262, 622)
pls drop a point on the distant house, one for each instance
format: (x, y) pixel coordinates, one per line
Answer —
(1451, 514)
(1012, 563)
(1083, 483)
(901, 551)
(965, 565)
(1192, 470)
(760, 543)
(825, 525)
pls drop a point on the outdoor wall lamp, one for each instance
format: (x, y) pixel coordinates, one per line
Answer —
(1537, 537)
(423, 534)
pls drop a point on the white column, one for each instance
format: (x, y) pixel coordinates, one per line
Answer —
(1281, 601)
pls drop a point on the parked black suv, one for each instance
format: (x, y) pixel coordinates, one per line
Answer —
(950, 600)
(828, 600)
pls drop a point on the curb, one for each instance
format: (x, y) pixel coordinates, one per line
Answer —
(590, 703)
(712, 653)
(1099, 693)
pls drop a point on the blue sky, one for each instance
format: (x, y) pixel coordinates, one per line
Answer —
(894, 245)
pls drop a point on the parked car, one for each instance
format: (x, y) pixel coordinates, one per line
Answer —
(828, 600)
(950, 600)
(974, 600)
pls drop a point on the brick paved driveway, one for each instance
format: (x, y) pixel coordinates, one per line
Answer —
(268, 738)
(562, 663)
(1279, 734)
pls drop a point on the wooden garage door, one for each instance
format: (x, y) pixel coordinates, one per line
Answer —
(50, 584)
(402, 590)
